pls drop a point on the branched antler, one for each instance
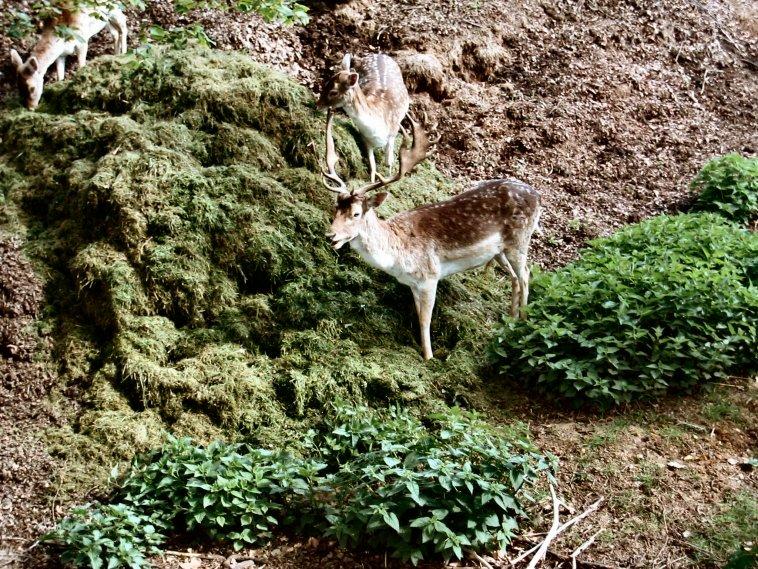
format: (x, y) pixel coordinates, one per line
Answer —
(330, 173)
(409, 158)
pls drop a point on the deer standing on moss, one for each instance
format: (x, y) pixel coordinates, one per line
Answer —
(51, 48)
(374, 96)
(493, 220)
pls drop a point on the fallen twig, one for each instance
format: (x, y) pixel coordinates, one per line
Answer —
(481, 560)
(561, 529)
(193, 554)
(542, 550)
(238, 561)
(584, 546)
(740, 387)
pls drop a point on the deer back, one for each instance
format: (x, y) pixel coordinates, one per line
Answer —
(369, 85)
(505, 208)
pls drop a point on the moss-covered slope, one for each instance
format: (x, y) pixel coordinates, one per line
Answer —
(173, 203)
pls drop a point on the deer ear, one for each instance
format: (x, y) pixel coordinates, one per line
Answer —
(346, 62)
(33, 64)
(352, 79)
(376, 200)
(16, 60)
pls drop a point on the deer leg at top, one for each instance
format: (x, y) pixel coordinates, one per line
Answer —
(389, 154)
(371, 162)
(60, 67)
(81, 55)
(424, 296)
(118, 29)
(502, 260)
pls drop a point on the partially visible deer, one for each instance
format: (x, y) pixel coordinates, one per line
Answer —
(373, 95)
(493, 220)
(52, 48)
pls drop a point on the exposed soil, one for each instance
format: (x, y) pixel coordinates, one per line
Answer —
(26, 469)
(609, 108)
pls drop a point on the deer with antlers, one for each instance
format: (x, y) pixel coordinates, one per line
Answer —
(51, 48)
(374, 96)
(493, 220)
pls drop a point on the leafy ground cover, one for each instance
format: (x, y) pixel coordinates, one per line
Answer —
(412, 490)
(729, 186)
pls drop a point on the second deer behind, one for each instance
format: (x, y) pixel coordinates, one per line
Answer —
(372, 93)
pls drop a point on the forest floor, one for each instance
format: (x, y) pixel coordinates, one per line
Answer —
(609, 108)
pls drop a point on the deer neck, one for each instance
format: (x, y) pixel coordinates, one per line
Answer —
(376, 243)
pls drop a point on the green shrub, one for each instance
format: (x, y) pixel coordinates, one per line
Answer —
(665, 304)
(384, 479)
(423, 492)
(107, 536)
(729, 186)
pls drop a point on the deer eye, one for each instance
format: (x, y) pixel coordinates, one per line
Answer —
(356, 214)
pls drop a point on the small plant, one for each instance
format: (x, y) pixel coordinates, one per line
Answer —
(729, 186)
(107, 536)
(664, 304)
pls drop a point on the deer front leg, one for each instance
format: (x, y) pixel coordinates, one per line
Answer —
(81, 55)
(60, 67)
(389, 154)
(371, 161)
(518, 261)
(424, 296)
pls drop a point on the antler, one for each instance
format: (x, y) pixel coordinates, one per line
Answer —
(330, 174)
(409, 158)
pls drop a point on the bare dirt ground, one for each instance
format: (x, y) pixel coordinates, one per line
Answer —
(609, 108)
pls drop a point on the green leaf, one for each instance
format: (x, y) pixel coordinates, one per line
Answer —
(391, 520)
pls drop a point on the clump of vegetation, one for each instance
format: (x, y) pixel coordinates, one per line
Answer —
(665, 304)
(112, 536)
(422, 492)
(728, 186)
(382, 478)
(173, 200)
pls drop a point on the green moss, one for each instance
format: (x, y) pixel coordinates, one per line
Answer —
(176, 200)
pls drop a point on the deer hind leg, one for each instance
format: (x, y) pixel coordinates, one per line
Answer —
(503, 261)
(60, 67)
(424, 296)
(118, 28)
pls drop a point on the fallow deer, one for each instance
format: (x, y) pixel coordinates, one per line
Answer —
(373, 95)
(51, 48)
(493, 220)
